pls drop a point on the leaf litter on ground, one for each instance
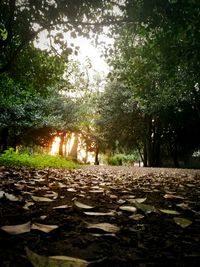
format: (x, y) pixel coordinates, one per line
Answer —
(143, 186)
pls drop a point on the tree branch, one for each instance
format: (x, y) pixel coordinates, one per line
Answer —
(49, 26)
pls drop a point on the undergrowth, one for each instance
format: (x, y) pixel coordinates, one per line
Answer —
(122, 159)
(12, 158)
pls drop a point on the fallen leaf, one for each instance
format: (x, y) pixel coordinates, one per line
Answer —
(129, 196)
(82, 205)
(41, 199)
(173, 212)
(27, 205)
(62, 207)
(138, 200)
(71, 190)
(183, 222)
(52, 194)
(11, 197)
(98, 235)
(43, 227)
(17, 229)
(145, 208)
(97, 191)
(183, 206)
(128, 208)
(171, 196)
(61, 185)
(90, 213)
(136, 217)
(107, 227)
(121, 201)
(2, 194)
(190, 185)
(54, 261)
(113, 196)
(43, 217)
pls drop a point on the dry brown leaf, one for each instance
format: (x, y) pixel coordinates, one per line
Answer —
(90, 213)
(173, 212)
(171, 196)
(17, 229)
(41, 199)
(54, 261)
(128, 208)
(62, 207)
(43, 227)
(107, 227)
(82, 205)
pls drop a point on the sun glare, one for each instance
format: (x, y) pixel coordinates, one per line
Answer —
(55, 146)
(82, 155)
(87, 50)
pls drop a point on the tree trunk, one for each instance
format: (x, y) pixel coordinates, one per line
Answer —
(97, 155)
(145, 154)
(62, 142)
(175, 156)
(74, 149)
(149, 142)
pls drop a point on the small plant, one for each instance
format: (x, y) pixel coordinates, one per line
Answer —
(123, 159)
(12, 158)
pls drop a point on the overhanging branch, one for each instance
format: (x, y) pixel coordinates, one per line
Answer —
(74, 23)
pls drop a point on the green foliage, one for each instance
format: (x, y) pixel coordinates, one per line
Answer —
(22, 21)
(123, 159)
(12, 158)
(157, 61)
(31, 108)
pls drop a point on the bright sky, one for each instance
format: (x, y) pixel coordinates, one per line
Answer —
(87, 50)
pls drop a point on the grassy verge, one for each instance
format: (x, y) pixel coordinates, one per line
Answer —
(12, 158)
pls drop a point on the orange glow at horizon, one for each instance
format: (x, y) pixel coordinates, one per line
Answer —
(55, 146)
(82, 155)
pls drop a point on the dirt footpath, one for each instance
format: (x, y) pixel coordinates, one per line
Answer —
(99, 216)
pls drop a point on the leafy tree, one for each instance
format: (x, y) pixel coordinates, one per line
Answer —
(151, 59)
(22, 21)
(120, 120)
(32, 108)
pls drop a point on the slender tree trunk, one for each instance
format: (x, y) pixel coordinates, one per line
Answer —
(4, 139)
(62, 142)
(97, 155)
(74, 149)
(149, 142)
(145, 154)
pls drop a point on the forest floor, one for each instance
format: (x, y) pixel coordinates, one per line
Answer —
(99, 216)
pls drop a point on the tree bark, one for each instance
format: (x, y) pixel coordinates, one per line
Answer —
(61, 145)
(74, 149)
(97, 155)
(4, 140)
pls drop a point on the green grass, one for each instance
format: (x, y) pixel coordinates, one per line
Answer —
(12, 158)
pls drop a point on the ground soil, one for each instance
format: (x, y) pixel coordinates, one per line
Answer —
(152, 238)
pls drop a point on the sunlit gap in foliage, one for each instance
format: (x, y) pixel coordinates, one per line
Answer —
(83, 155)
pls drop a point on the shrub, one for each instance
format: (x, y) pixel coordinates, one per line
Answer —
(12, 158)
(123, 159)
